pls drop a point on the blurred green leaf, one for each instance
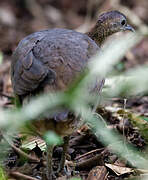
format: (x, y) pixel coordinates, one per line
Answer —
(120, 66)
(131, 83)
(1, 57)
(2, 174)
(111, 53)
(52, 138)
(144, 118)
(78, 98)
(113, 139)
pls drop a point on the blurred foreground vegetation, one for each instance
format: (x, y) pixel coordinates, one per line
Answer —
(134, 82)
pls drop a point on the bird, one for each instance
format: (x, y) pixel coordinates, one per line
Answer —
(50, 60)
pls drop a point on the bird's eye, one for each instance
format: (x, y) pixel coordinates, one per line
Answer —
(123, 22)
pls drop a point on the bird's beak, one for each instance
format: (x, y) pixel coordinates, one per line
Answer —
(129, 28)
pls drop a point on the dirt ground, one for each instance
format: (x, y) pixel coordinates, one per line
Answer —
(18, 18)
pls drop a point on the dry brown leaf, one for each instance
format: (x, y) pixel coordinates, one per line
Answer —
(118, 169)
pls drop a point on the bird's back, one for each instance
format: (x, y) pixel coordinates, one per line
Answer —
(50, 60)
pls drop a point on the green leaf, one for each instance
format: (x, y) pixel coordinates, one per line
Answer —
(144, 118)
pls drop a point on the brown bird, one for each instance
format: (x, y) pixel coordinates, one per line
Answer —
(50, 60)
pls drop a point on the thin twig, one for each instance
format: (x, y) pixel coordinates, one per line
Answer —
(22, 153)
(123, 118)
(89, 163)
(86, 154)
(123, 121)
(19, 151)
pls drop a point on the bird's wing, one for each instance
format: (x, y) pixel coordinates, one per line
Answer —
(27, 71)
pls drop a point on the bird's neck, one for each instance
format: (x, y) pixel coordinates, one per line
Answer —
(99, 33)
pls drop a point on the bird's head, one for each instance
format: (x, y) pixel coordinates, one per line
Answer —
(109, 23)
(113, 22)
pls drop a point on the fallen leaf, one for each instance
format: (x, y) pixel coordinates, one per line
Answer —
(118, 169)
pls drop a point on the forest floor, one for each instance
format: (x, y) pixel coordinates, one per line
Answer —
(84, 148)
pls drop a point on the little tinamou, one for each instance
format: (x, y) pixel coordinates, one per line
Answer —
(50, 60)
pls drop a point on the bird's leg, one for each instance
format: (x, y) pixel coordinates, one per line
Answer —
(49, 170)
(63, 157)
